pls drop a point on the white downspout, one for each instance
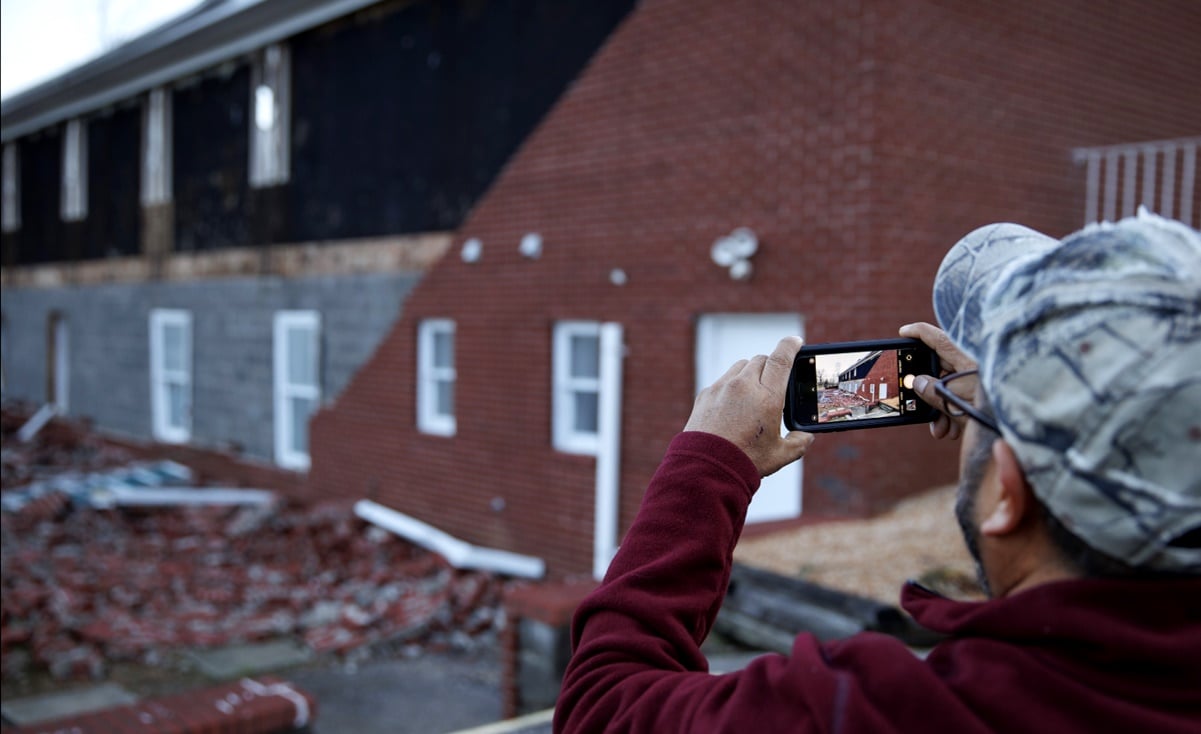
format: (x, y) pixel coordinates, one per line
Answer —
(458, 553)
(608, 455)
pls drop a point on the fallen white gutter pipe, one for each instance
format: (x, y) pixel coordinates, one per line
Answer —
(459, 553)
(36, 422)
(121, 496)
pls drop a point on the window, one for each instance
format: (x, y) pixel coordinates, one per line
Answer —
(436, 377)
(271, 105)
(12, 189)
(171, 375)
(75, 167)
(297, 348)
(156, 148)
(58, 384)
(576, 386)
(1160, 175)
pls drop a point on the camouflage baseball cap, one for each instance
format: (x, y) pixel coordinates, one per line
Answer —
(1090, 352)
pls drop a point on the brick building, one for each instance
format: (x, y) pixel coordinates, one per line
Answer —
(582, 213)
(856, 141)
(207, 230)
(873, 378)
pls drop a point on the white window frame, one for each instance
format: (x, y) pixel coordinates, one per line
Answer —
(157, 152)
(564, 434)
(161, 378)
(270, 117)
(286, 390)
(12, 188)
(75, 171)
(430, 375)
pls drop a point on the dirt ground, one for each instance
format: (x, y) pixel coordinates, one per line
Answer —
(919, 539)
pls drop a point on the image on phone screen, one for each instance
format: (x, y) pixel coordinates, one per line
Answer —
(858, 385)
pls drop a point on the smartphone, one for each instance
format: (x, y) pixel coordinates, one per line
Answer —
(848, 385)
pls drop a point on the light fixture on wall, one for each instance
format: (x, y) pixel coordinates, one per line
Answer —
(734, 252)
(472, 250)
(531, 245)
(617, 276)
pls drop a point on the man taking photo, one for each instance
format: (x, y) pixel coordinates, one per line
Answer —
(1075, 384)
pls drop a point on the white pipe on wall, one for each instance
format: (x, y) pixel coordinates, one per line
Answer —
(608, 455)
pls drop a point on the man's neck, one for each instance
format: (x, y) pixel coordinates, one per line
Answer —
(1032, 570)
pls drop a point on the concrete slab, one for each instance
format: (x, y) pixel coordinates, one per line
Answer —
(538, 722)
(729, 662)
(429, 694)
(26, 711)
(233, 661)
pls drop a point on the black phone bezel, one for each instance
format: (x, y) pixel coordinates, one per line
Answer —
(795, 404)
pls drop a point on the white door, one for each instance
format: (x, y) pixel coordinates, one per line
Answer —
(722, 340)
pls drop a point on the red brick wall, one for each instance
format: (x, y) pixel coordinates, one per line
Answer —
(858, 140)
(884, 371)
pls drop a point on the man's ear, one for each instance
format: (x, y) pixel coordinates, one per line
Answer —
(1014, 498)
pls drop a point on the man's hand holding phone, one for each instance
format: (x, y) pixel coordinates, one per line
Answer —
(842, 386)
(952, 359)
(743, 407)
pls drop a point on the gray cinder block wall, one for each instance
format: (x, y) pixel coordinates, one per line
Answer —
(108, 330)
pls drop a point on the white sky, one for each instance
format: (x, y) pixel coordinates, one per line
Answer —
(836, 363)
(40, 39)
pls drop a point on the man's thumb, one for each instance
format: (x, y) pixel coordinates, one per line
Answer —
(799, 441)
(792, 447)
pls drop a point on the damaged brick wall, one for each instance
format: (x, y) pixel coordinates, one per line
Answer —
(363, 164)
(42, 236)
(883, 373)
(232, 371)
(210, 143)
(114, 181)
(858, 140)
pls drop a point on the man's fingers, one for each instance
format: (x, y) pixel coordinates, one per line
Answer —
(952, 357)
(799, 442)
(733, 371)
(943, 425)
(779, 364)
(790, 448)
(923, 385)
(933, 336)
(940, 427)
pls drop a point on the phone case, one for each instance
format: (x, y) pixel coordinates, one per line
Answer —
(868, 392)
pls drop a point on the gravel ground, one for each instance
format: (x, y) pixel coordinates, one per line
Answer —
(918, 539)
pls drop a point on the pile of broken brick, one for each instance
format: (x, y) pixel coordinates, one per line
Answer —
(85, 586)
(57, 446)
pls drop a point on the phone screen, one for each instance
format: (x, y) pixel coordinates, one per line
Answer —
(837, 387)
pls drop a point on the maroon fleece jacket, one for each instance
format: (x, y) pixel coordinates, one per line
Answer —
(1070, 656)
